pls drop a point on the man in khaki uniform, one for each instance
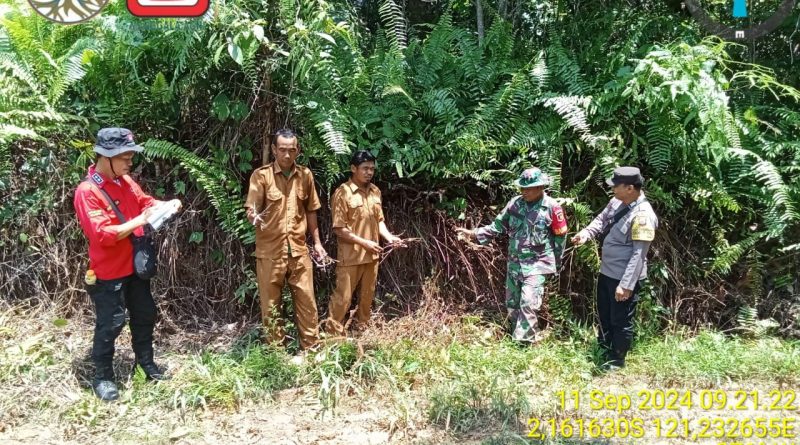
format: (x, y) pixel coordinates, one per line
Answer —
(358, 223)
(282, 203)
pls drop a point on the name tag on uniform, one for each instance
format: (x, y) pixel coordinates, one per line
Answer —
(93, 213)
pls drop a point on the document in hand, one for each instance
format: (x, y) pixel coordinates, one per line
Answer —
(162, 212)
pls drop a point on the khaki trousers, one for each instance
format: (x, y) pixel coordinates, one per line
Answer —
(348, 278)
(298, 272)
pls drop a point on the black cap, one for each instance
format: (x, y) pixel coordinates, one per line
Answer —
(115, 141)
(626, 175)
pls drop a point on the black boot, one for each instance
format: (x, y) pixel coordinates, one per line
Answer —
(615, 360)
(151, 370)
(103, 383)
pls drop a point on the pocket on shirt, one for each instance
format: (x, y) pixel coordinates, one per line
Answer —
(273, 204)
(302, 197)
(376, 208)
(540, 232)
(355, 207)
(518, 229)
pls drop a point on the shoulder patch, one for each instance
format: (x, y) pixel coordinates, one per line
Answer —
(559, 221)
(97, 178)
(642, 228)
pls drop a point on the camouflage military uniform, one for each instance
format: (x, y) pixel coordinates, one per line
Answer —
(536, 233)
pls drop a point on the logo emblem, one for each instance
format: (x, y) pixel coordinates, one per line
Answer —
(168, 8)
(68, 12)
(756, 27)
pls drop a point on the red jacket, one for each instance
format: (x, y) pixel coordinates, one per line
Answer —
(108, 257)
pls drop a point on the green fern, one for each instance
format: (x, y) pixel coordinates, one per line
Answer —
(395, 23)
(750, 325)
(727, 255)
(215, 181)
(573, 110)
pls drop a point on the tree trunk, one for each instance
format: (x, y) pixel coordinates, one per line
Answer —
(479, 14)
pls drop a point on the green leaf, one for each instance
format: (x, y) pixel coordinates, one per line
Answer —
(236, 53)
(196, 237)
(218, 54)
(326, 37)
(239, 110)
(220, 106)
(23, 237)
(258, 31)
(180, 187)
(60, 322)
(399, 168)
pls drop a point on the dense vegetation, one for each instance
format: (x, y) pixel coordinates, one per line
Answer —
(455, 99)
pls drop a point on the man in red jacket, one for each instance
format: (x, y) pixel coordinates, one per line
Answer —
(111, 257)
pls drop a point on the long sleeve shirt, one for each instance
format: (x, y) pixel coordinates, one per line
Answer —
(536, 233)
(109, 257)
(625, 247)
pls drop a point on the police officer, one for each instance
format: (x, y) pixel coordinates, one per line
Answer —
(111, 256)
(624, 229)
(536, 227)
(282, 203)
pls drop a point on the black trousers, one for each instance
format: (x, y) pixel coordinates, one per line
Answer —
(616, 319)
(111, 298)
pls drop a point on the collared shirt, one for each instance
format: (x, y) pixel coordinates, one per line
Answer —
(625, 247)
(108, 257)
(281, 204)
(360, 211)
(536, 233)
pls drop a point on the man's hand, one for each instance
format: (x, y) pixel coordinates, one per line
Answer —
(177, 203)
(465, 233)
(396, 241)
(622, 294)
(372, 246)
(142, 218)
(579, 239)
(320, 252)
(254, 217)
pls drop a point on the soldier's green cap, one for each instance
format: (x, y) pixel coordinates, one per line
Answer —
(532, 177)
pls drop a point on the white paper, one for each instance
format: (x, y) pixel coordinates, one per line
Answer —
(162, 212)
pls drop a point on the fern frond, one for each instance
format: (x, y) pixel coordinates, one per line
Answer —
(214, 181)
(573, 110)
(727, 255)
(395, 22)
(334, 138)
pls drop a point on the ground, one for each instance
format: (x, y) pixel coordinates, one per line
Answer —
(427, 378)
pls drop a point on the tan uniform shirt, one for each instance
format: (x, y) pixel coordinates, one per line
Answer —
(281, 204)
(361, 212)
